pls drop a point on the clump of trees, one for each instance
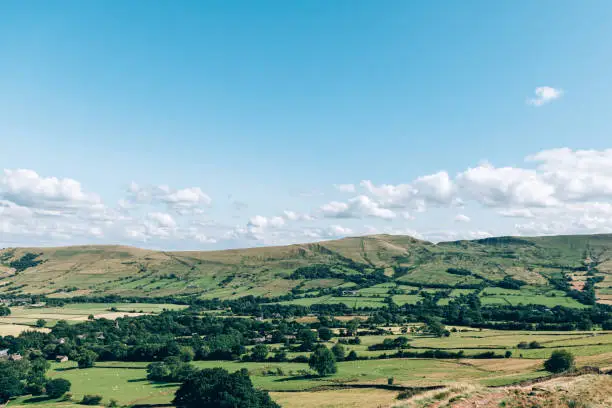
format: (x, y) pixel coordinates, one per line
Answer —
(172, 369)
(23, 376)
(531, 345)
(217, 388)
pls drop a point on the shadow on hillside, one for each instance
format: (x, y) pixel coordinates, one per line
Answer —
(133, 380)
(165, 385)
(298, 378)
(36, 400)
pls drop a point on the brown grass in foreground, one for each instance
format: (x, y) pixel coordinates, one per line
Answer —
(587, 391)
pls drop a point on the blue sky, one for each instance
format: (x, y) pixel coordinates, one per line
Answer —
(243, 110)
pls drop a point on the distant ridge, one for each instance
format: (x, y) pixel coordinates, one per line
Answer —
(266, 271)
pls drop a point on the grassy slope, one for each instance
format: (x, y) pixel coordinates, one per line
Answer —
(261, 271)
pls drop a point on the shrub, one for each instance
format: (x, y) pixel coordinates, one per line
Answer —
(91, 399)
(559, 361)
(352, 356)
(57, 387)
(339, 352)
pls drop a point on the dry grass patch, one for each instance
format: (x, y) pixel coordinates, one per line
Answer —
(505, 365)
(347, 398)
(17, 329)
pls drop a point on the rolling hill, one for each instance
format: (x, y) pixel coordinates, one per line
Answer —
(368, 269)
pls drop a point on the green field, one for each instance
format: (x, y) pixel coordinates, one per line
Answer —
(126, 382)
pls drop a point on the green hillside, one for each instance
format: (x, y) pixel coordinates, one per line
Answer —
(360, 272)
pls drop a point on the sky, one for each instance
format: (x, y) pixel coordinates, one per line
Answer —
(224, 124)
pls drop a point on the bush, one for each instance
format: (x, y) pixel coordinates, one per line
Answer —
(41, 323)
(390, 381)
(4, 311)
(339, 352)
(559, 361)
(91, 399)
(352, 356)
(57, 387)
(325, 334)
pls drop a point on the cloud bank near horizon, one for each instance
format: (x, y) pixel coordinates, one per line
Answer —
(556, 191)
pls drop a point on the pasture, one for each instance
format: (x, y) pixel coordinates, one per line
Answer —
(24, 317)
(291, 384)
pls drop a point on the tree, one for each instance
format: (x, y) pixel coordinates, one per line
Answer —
(41, 323)
(259, 353)
(186, 353)
(559, 361)
(4, 311)
(158, 371)
(216, 388)
(308, 338)
(322, 360)
(352, 356)
(508, 354)
(57, 387)
(86, 358)
(352, 326)
(435, 328)
(325, 334)
(339, 352)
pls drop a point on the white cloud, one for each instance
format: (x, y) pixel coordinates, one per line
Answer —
(332, 231)
(345, 188)
(437, 188)
(338, 230)
(555, 191)
(544, 95)
(27, 188)
(506, 187)
(516, 213)
(357, 207)
(259, 221)
(187, 197)
(186, 201)
(294, 216)
(162, 219)
(462, 218)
